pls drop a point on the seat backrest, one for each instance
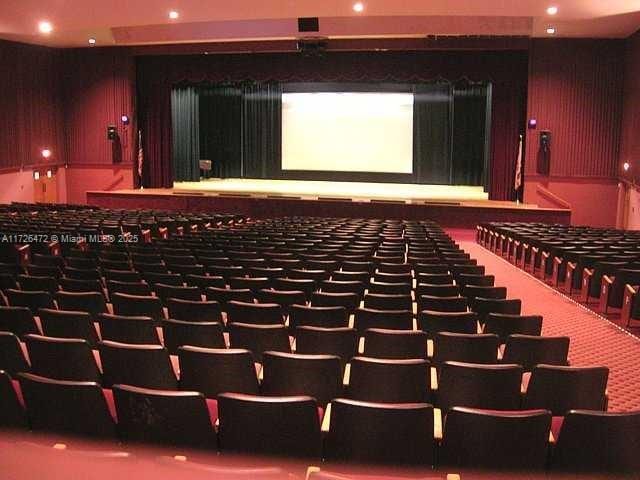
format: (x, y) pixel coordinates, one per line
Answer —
(484, 306)
(177, 333)
(12, 413)
(560, 388)
(132, 288)
(259, 338)
(146, 366)
(398, 344)
(18, 320)
(531, 350)
(90, 302)
(214, 371)
(341, 342)
(389, 433)
(433, 322)
(204, 281)
(381, 301)
(225, 295)
(442, 304)
(318, 376)
(481, 439)
(254, 313)
(474, 385)
(504, 324)
(137, 306)
(284, 298)
(34, 300)
(194, 311)
(327, 317)
(437, 289)
(479, 291)
(128, 329)
(37, 282)
(62, 358)
(475, 279)
(366, 318)
(68, 324)
(350, 301)
(286, 426)
(384, 380)
(71, 407)
(465, 347)
(435, 278)
(598, 442)
(12, 359)
(163, 416)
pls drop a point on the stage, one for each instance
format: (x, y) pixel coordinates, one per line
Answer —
(451, 206)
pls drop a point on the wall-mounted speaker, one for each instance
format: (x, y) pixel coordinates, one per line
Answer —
(308, 24)
(544, 153)
(112, 133)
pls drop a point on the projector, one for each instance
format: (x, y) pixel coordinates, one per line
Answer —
(312, 46)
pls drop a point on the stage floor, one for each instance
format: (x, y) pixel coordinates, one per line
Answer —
(356, 191)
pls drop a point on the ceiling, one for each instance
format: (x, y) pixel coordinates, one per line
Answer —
(140, 22)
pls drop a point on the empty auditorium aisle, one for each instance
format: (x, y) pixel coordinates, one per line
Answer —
(594, 340)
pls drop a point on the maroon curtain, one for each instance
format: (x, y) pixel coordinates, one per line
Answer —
(506, 70)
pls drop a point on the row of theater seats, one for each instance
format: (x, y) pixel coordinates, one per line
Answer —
(603, 265)
(418, 264)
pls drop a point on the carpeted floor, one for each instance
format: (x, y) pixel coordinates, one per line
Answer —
(594, 340)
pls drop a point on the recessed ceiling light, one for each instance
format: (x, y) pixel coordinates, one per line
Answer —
(45, 27)
(46, 153)
(551, 30)
(92, 41)
(173, 14)
(552, 10)
(358, 7)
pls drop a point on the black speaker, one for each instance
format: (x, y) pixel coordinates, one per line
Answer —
(112, 133)
(544, 153)
(308, 24)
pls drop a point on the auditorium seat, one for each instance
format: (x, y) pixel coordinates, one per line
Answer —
(598, 442)
(194, 310)
(12, 413)
(70, 407)
(167, 292)
(177, 333)
(465, 347)
(495, 387)
(328, 317)
(62, 358)
(442, 304)
(366, 432)
(508, 441)
(307, 286)
(34, 283)
(531, 350)
(77, 285)
(137, 306)
(204, 281)
(317, 376)
(395, 344)
(431, 269)
(224, 295)
(43, 270)
(350, 301)
(434, 278)
(33, 300)
(366, 318)
(437, 290)
(68, 324)
(128, 329)
(284, 298)
(503, 325)
(12, 358)
(254, 313)
(122, 275)
(170, 418)
(465, 279)
(251, 283)
(284, 426)
(433, 322)
(341, 342)
(18, 320)
(146, 366)
(171, 279)
(388, 277)
(560, 389)
(479, 291)
(392, 381)
(484, 306)
(380, 301)
(259, 338)
(91, 302)
(130, 288)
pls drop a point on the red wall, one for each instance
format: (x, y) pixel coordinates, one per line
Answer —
(630, 145)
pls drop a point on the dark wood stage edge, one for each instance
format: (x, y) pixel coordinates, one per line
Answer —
(455, 214)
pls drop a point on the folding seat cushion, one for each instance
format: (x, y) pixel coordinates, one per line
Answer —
(12, 359)
(350, 301)
(62, 358)
(146, 366)
(341, 342)
(433, 322)
(128, 329)
(68, 324)
(259, 338)
(598, 442)
(254, 313)
(38, 283)
(397, 344)
(386, 380)
(503, 325)
(18, 320)
(442, 304)
(12, 413)
(389, 433)
(33, 300)
(137, 306)
(225, 295)
(560, 389)
(481, 439)
(381, 301)
(318, 376)
(90, 302)
(177, 333)
(465, 347)
(285, 426)
(484, 306)
(194, 311)
(531, 350)
(171, 418)
(366, 318)
(328, 317)
(214, 371)
(474, 385)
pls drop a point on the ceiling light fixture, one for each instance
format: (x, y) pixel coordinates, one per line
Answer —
(358, 7)
(551, 30)
(173, 14)
(92, 41)
(626, 166)
(46, 153)
(552, 10)
(45, 27)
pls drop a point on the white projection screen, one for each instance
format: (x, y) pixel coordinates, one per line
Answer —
(348, 132)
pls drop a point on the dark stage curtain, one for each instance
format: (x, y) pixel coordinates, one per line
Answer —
(262, 127)
(186, 134)
(432, 133)
(469, 135)
(221, 129)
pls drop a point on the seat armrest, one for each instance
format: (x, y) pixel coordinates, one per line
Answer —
(587, 275)
(24, 254)
(605, 288)
(568, 277)
(627, 302)
(326, 419)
